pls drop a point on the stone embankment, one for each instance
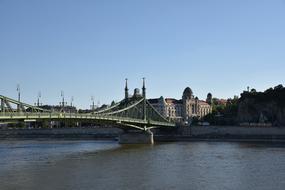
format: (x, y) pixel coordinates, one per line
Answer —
(226, 133)
(61, 133)
(211, 133)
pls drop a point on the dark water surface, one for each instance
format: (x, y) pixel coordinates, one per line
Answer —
(40, 165)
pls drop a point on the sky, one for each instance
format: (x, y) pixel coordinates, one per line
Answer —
(88, 47)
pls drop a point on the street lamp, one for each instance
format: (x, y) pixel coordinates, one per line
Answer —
(39, 96)
(19, 92)
(19, 97)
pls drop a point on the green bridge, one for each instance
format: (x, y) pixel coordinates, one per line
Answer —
(133, 112)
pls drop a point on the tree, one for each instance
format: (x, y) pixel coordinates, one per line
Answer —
(278, 87)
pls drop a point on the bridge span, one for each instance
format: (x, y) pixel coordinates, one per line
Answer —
(132, 113)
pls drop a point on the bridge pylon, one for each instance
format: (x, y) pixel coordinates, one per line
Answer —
(144, 101)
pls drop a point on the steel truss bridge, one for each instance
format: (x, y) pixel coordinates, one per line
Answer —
(131, 113)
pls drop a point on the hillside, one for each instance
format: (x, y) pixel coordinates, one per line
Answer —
(263, 107)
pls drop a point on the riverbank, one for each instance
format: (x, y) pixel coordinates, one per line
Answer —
(199, 133)
(227, 133)
(61, 133)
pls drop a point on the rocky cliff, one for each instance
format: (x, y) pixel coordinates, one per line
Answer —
(263, 107)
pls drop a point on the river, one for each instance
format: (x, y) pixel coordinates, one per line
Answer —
(74, 165)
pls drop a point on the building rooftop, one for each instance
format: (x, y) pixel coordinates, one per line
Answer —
(173, 101)
(188, 93)
(203, 102)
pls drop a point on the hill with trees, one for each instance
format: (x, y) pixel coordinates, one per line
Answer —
(252, 107)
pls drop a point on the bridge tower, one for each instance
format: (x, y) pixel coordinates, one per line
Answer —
(143, 88)
(2, 106)
(138, 137)
(126, 90)
(144, 102)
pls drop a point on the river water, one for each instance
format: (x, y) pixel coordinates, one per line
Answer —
(41, 165)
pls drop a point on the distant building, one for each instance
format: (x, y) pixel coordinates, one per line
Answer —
(185, 109)
(221, 102)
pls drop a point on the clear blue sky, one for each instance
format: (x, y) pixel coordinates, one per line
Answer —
(88, 47)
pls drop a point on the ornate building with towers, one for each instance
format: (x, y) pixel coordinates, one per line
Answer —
(185, 109)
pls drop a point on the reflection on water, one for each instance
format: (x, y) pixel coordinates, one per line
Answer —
(107, 165)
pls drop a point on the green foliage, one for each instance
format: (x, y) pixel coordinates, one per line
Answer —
(276, 94)
(215, 101)
(227, 114)
(223, 114)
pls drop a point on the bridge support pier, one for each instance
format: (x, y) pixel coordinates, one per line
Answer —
(136, 137)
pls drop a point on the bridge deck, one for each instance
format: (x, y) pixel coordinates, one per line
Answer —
(76, 116)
